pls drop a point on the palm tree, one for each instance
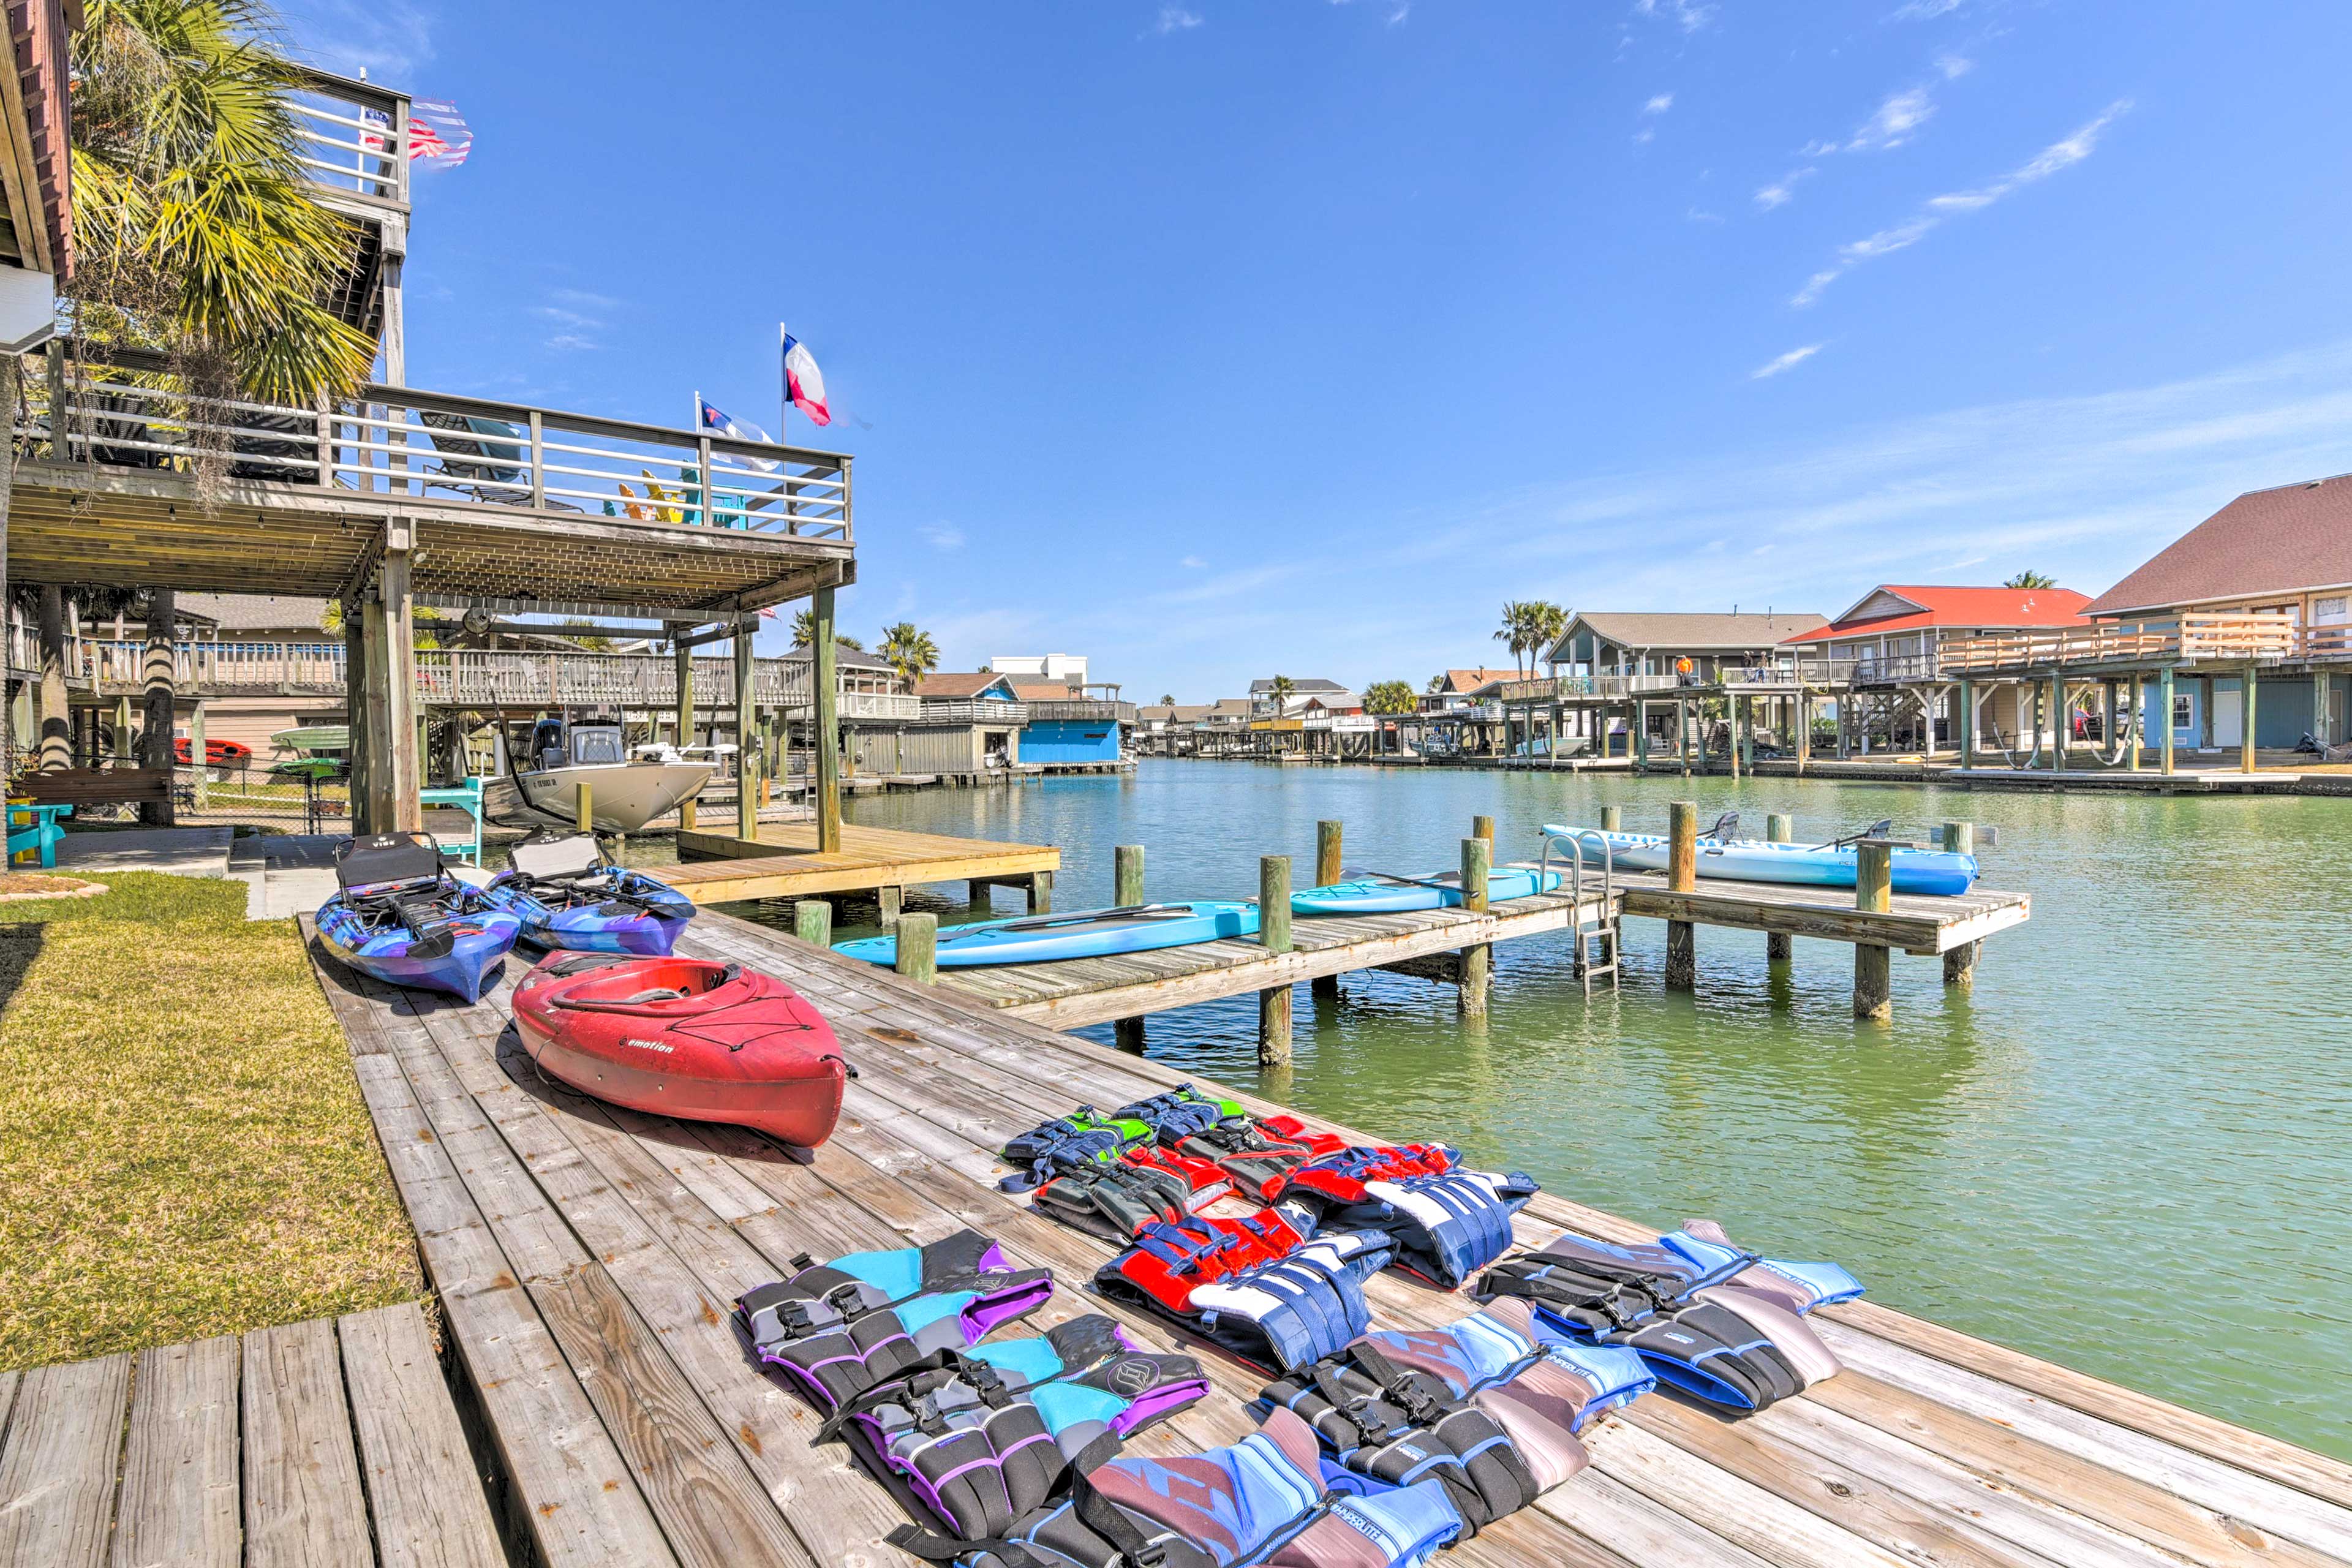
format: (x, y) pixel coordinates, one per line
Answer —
(1436, 683)
(195, 223)
(1166, 701)
(1385, 697)
(1546, 624)
(1281, 687)
(805, 634)
(1513, 632)
(910, 651)
(2031, 580)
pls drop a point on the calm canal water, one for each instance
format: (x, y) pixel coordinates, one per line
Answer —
(2126, 1151)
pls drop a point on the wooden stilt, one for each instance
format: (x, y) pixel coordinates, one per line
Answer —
(2164, 713)
(1682, 877)
(746, 737)
(157, 694)
(1041, 892)
(684, 657)
(393, 587)
(827, 700)
(1612, 819)
(813, 921)
(2246, 729)
(1328, 870)
(1779, 947)
(917, 934)
(1872, 886)
(1477, 962)
(56, 721)
(890, 900)
(1274, 934)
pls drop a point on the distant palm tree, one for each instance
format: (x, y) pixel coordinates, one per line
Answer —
(909, 650)
(1436, 684)
(805, 634)
(1281, 687)
(2031, 580)
(1389, 696)
(1166, 701)
(1547, 621)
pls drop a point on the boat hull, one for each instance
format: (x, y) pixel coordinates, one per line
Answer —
(484, 939)
(1375, 896)
(1071, 936)
(622, 797)
(1934, 872)
(746, 1049)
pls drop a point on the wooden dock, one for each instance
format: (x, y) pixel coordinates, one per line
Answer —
(783, 862)
(1915, 923)
(329, 1442)
(585, 1256)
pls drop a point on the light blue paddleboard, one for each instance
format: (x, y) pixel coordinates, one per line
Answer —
(1438, 891)
(1087, 933)
(1934, 871)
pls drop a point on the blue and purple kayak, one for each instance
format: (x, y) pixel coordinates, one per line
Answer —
(450, 945)
(1086, 933)
(1936, 873)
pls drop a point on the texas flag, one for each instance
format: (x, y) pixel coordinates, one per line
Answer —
(804, 381)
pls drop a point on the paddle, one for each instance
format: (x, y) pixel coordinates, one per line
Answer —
(1086, 917)
(1444, 884)
(1879, 829)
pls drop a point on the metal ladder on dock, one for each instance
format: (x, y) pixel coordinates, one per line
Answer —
(1596, 935)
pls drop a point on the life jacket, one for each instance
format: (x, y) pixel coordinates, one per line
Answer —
(1118, 1196)
(984, 1438)
(1262, 1502)
(1081, 1129)
(839, 1328)
(1257, 1286)
(1258, 1153)
(1445, 1224)
(1690, 1313)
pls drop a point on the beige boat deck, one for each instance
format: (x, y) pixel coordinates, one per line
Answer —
(332, 1442)
(783, 862)
(585, 1257)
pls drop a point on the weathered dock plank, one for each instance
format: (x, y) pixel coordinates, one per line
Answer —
(422, 1495)
(1915, 923)
(58, 1471)
(180, 1500)
(784, 862)
(302, 1499)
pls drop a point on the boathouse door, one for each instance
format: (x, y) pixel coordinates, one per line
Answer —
(2229, 717)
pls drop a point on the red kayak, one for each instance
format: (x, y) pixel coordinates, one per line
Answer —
(217, 753)
(680, 1037)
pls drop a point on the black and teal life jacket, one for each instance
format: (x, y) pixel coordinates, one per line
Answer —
(1446, 1223)
(837, 1329)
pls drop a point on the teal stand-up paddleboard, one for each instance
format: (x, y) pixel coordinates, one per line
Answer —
(1375, 893)
(1084, 933)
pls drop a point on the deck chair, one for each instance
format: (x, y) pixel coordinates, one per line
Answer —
(115, 418)
(487, 470)
(556, 861)
(279, 435)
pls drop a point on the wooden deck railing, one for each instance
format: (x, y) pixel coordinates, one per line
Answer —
(354, 138)
(2190, 639)
(980, 711)
(119, 667)
(465, 678)
(1086, 710)
(123, 408)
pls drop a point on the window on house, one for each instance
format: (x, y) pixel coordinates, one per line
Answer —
(2327, 612)
(2182, 717)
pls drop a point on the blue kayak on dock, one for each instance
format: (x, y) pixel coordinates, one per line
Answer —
(568, 895)
(1938, 872)
(1086, 933)
(399, 916)
(1371, 893)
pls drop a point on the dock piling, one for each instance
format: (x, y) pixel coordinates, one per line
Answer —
(1478, 961)
(890, 900)
(1779, 947)
(1274, 934)
(585, 816)
(813, 921)
(1682, 877)
(1327, 857)
(1484, 828)
(1960, 963)
(1041, 892)
(918, 950)
(1612, 819)
(1127, 890)
(1874, 882)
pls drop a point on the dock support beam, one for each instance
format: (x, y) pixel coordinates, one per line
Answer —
(1682, 877)
(683, 655)
(355, 721)
(2136, 717)
(1964, 727)
(1804, 731)
(1779, 947)
(1327, 858)
(57, 721)
(2164, 709)
(2060, 728)
(813, 921)
(890, 902)
(1274, 934)
(1612, 819)
(827, 697)
(1041, 892)
(1960, 839)
(394, 586)
(156, 695)
(2246, 729)
(1477, 962)
(1126, 885)
(1873, 880)
(748, 751)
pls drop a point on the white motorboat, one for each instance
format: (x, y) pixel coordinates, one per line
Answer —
(624, 795)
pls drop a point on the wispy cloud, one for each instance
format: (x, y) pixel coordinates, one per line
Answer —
(1659, 104)
(1782, 190)
(1894, 119)
(1954, 67)
(1231, 584)
(387, 40)
(567, 318)
(1700, 215)
(570, 342)
(2050, 160)
(941, 536)
(1175, 19)
(1398, 10)
(1925, 10)
(583, 299)
(1788, 361)
(1687, 14)
(1193, 564)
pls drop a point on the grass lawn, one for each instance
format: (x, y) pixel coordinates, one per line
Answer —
(182, 1147)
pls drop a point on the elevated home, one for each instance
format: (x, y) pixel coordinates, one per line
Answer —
(1455, 689)
(1068, 669)
(395, 499)
(2265, 584)
(1077, 727)
(1329, 696)
(1623, 680)
(967, 725)
(1893, 637)
(1678, 647)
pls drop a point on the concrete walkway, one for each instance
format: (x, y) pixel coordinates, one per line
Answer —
(285, 873)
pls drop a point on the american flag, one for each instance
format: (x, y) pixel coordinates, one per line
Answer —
(437, 133)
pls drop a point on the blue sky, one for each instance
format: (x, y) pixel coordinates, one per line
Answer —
(1236, 336)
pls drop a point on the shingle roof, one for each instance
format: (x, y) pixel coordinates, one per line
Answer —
(1044, 691)
(1695, 630)
(1458, 681)
(959, 685)
(255, 611)
(1297, 688)
(1991, 609)
(2280, 541)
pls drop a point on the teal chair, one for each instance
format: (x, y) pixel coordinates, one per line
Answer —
(40, 830)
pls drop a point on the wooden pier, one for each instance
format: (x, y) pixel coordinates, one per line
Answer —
(784, 862)
(585, 1256)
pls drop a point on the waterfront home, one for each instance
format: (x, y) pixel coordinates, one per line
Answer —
(2273, 566)
(1459, 689)
(1329, 696)
(1699, 648)
(1896, 634)
(965, 723)
(1073, 726)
